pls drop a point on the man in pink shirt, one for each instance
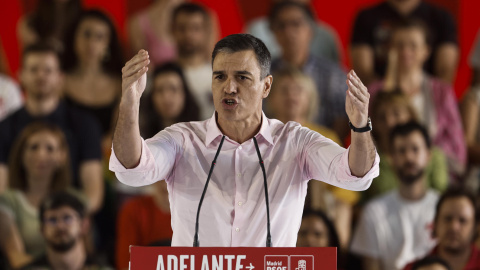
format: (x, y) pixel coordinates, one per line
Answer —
(234, 212)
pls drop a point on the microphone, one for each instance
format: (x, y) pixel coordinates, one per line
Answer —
(195, 237)
(196, 243)
(260, 160)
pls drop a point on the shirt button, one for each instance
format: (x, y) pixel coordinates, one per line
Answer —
(240, 147)
(240, 203)
(239, 174)
(237, 229)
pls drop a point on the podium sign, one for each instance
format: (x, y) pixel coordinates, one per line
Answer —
(232, 258)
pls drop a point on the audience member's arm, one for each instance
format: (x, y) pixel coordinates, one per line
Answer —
(363, 62)
(469, 110)
(3, 177)
(11, 242)
(92, 183)
(127, 142)
(25, 34)
(446, 61)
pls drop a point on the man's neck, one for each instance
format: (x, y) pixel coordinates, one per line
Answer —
(296, 59)
(41, 107)
(191, 61)
(413, 192)
(457, 261)
(73, 259)
(240, 131)
(405, 7)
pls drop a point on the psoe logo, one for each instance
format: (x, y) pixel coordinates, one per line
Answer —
(292, 262)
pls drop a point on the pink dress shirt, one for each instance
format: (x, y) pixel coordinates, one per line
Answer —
(233, 212)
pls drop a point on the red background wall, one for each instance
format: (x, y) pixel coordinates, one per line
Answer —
(232, 16)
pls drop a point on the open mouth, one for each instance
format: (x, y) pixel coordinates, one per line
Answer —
(229, 102)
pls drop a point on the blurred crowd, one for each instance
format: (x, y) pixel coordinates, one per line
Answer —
(60, 207)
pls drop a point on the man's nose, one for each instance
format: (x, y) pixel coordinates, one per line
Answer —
(230, 86)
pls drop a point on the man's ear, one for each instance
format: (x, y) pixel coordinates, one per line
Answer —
(268, 81)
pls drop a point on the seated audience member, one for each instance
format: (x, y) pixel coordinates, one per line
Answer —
(143, 220)
(433, 99)
(41, 78)
(191, 32)
(48, 23)
(388, 110)
(38, 166)
(170, 101)
(64, 226)
(454, 229)
(431, 263)
(317, 230)
(93, 64)
(324, 43)
(395, 228)
(151, 30)
(372, 29)
(294, 98)
(291, 23)
(470, 111)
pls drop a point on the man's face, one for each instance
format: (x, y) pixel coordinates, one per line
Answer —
(190, 33)
(292, 30)
(237, 87)
(435, 266)
(455, 225)
(410, 156)
(313, 233)
(41, 76)
(62, 228)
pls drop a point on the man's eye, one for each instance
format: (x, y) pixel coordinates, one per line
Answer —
(243, 78)
(219, 77)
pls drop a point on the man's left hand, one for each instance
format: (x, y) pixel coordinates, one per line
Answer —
(356, 103)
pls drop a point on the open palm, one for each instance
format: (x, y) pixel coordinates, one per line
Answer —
(356, 103)
(134, 76)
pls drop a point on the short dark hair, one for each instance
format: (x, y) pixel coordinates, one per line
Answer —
(245, 42)
(40, 48)
(333, 240)
(430, 260)
(189, 8)
(408, 128)
(412, 23)
(62, 199)
(279, 7)
(454, 193)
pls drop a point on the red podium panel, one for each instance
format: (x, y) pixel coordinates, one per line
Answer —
(232, 258)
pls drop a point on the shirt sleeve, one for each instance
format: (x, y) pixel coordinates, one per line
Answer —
(362, 30)
(90, 136)
(327, 161)
(156, 161)
(448, 33)
(365, 239)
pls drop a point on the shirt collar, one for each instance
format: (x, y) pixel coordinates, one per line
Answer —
(213, 131)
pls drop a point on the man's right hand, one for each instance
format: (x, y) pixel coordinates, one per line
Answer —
(134, 76)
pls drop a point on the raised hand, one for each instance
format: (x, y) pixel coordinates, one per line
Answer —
(134, 76)
(356, 103)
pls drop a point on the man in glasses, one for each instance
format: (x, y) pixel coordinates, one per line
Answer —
(64, 224)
